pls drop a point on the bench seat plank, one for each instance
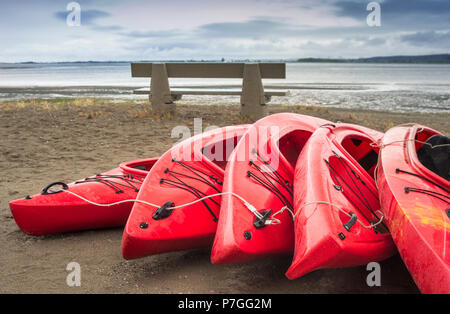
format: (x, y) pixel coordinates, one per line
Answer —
(209, 91)
(209, 70)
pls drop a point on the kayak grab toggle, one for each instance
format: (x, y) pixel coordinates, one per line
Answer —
(164, 211)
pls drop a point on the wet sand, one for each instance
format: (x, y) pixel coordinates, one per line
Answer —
(64, 140)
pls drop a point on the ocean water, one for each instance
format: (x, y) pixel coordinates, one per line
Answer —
(387, 87)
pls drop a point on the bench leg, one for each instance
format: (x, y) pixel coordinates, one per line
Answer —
(161, 97)
(253, 102)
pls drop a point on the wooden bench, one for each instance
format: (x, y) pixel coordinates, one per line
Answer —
(253, 95)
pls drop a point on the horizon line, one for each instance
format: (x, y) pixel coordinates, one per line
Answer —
(292, 60)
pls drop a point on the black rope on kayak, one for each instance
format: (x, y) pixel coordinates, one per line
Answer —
(105, 182)
(174, 174)
(268, 181)
(410, 189)
(274, 190)
(429, 193)
(346, 166)
(278, 177)
(197, 193)
(198, 175)
(360, 197)
(197, 172)
(268, 177)
(363, 200)
(364, 184)
(127, 180)
(335, 175)
(337, 186)
(358, 177)
(182, 184)
(188, 188)
(423, 178)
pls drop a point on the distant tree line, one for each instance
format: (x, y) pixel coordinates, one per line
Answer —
(439, 59)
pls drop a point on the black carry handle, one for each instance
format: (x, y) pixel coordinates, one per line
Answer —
(46, 192)
(351, 222)
(328, 124)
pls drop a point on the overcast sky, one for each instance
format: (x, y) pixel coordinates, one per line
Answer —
(33, 30)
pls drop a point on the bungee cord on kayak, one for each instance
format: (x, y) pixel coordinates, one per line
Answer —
(398, 170)
(279, 178)
(363, 199)
(429, 193)
(267, 180)
(106, 179)
(197, 176)
(346, 166)
(199, 172)
(436, 195)
(339, 180)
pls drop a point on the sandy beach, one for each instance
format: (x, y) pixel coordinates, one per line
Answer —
(64, 140)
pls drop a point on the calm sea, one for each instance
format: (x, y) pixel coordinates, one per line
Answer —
(392, 87)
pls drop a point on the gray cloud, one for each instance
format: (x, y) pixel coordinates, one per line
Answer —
(355, 9)
(160, 46)
(254, 29)
(106, 28)
(153, 34)
(436, 39)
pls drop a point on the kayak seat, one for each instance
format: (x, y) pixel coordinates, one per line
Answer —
(436, 159)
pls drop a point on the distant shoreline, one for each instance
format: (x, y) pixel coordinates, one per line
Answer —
(422, 59)
(425, 59)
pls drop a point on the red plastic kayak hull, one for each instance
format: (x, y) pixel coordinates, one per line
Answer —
(190, 170)
(336, 167)
(275, 140)
(63, 212)
(418, 222)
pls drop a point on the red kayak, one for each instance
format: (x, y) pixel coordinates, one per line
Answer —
(259, 176)
(190, 171)
(338, 222)
(415, 197)
(56, 210)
